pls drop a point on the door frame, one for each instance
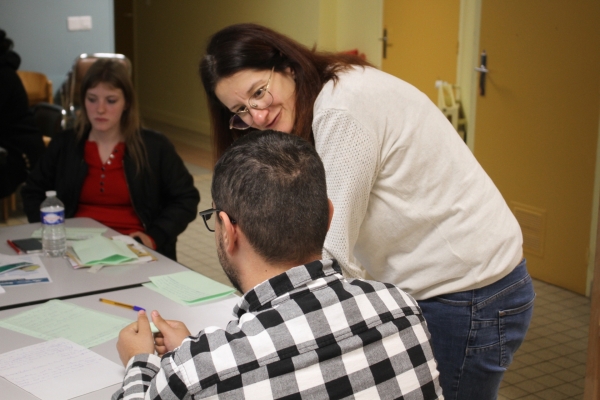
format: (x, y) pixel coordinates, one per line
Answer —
(468, 54)
(592, 370)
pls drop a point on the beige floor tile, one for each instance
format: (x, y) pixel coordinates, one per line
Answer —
(569, 389)
(531, 386)
(550, 380)
(552, 394)
(514, 392)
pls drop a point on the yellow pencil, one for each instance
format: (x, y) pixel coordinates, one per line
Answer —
(116, 303)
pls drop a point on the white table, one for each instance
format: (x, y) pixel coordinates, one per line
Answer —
(68, 282)
(216, 313)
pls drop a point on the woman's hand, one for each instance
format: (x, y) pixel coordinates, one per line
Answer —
(171, 334)
(146, 240)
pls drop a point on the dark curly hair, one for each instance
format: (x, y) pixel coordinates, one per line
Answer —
(273, 185)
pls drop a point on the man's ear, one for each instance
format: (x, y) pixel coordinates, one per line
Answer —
(229, 232)
(330, 213)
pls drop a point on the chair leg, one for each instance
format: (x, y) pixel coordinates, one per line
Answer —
(13, 202)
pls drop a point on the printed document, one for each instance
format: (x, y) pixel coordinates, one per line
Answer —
(59, 369)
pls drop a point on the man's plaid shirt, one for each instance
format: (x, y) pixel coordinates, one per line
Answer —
(306, 333)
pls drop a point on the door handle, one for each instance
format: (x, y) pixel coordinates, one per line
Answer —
(384, 39)
(483, 71)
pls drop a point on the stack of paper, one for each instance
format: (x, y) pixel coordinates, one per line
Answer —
(100, 250)
(188, 288)
(22, 270)
(143, 256)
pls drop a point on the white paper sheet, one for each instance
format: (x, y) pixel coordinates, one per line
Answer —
(59, 369)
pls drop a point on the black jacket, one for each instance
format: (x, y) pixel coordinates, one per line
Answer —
(19, 134)
(163, 195)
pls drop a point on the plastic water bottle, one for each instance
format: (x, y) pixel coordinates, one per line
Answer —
(54, 237)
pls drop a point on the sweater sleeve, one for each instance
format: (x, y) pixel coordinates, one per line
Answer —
(350, 153)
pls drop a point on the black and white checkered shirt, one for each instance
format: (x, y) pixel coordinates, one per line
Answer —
(306, 333)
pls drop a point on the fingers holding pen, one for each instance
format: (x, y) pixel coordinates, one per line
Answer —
(171, 333)
(136, 338)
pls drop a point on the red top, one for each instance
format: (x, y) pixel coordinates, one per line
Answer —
(105, 195)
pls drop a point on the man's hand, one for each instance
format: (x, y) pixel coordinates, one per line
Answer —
(146, 241)
(135, 338)
(171, 334)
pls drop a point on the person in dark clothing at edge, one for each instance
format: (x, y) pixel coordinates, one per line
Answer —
(19, 135)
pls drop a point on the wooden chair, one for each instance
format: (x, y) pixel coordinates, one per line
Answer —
(49, 119)
(449, 104)
(37, 86)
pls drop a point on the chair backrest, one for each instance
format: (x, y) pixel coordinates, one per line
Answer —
(37, 86)
(49, 118)
(446, 98)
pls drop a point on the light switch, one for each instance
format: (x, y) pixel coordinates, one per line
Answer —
(80, 23)
(73, 23)
(85, 23)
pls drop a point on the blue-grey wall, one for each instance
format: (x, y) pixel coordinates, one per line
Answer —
(39, 30)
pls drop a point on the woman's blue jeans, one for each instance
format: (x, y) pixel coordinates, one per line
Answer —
(475, 334)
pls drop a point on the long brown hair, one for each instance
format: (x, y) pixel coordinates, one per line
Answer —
(115, 74)
(250, 46)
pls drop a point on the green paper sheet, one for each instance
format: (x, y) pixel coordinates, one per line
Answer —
(75, 233)
(188, 288)
(103, 251)
(56, 318)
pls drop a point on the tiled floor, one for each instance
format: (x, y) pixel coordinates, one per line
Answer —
(550, 365)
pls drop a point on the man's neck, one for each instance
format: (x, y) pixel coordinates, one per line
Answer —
(256, 270)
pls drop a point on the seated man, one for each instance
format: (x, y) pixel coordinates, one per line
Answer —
(301, 330)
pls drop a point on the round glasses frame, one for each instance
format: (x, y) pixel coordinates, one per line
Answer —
(260, 100)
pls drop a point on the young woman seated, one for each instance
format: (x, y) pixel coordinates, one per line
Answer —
(110, 169)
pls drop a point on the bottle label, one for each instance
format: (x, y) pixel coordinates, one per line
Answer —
(53, 218)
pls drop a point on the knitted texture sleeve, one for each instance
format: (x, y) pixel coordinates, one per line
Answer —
(350, 176)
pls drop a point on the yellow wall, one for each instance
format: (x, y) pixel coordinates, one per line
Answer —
(359, 26)
(171, 37)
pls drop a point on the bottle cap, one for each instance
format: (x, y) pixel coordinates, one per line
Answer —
(51, 193)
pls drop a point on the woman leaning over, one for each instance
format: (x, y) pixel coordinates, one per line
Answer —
(412, 205)
(112, 170)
